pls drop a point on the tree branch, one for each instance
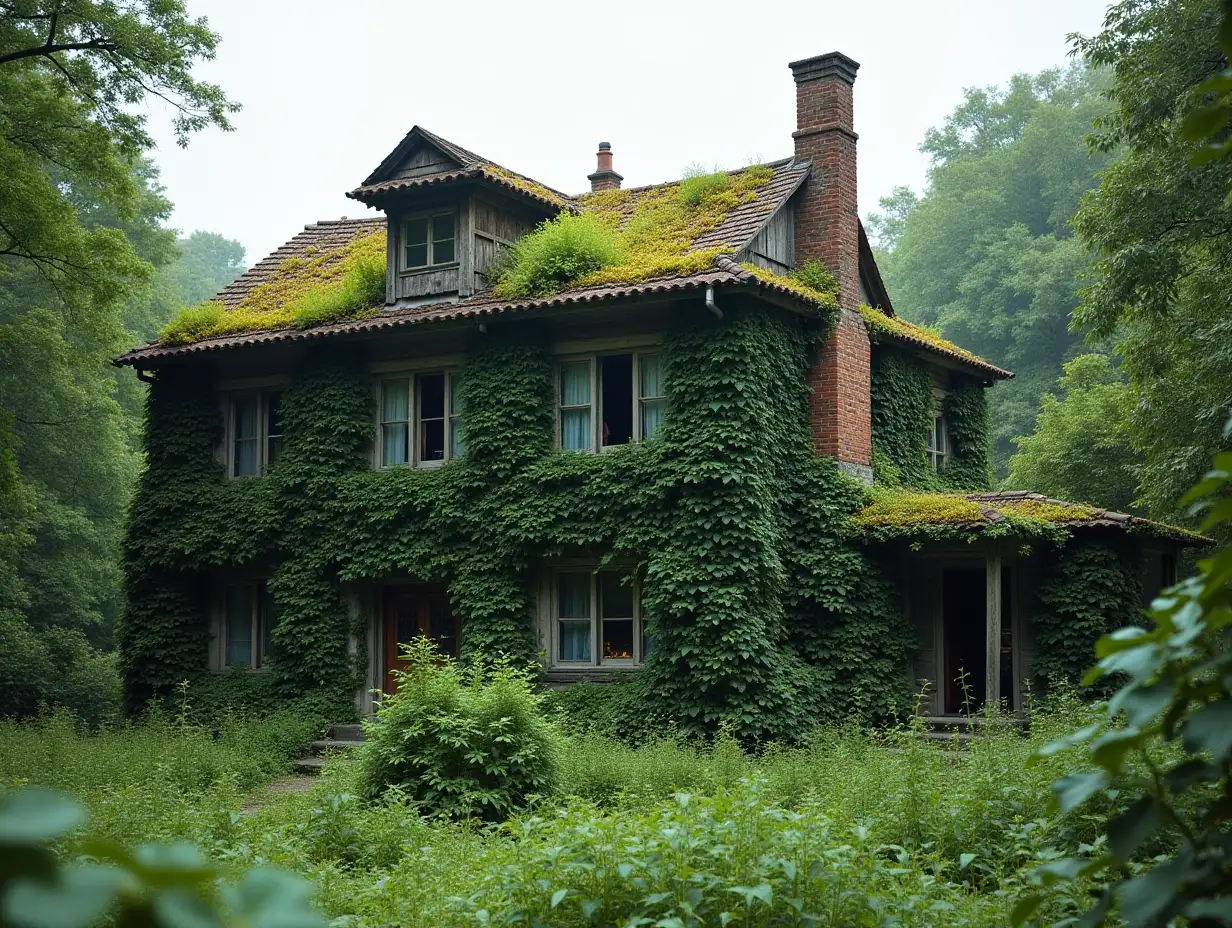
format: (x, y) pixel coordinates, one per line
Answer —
(46, 51)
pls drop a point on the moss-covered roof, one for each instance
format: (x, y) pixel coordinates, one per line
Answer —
(883, 326)
(905, 514)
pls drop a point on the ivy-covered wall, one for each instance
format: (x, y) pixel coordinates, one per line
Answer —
(1088, 590)
(769, 617)
(902, 414)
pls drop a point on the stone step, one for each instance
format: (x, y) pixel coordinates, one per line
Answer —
(333, 744)
(965, 723)
(309, 765)
(347, 733)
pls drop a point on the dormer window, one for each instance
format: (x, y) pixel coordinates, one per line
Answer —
(429, 240)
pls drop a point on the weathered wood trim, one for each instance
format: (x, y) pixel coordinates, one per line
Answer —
(992, 655)
(392, 232)
(465, 245)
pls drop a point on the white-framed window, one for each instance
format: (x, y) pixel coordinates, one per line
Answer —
(597, 619)
(249, 618)
(610, 399)
(429, 240)
(420, 419)
(254, 430)
(938, 442)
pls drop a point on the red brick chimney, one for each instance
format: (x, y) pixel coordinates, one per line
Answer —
(604, 177)
(828, 230)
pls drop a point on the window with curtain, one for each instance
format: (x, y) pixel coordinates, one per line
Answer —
(609, 400)
(598, 619)
(420, 419)
(937, 443)
(575, 619)
(650, 393)
(575, 406)
(249, 620)
(255, 427)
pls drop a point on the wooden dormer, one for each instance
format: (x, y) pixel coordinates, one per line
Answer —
(450, 214)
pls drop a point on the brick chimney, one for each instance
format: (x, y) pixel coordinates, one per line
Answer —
(828, 230)
(604, 177)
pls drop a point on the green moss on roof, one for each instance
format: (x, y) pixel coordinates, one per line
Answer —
(526, 185)
(827, 299)
(1047, 511)
(892, 326)
(655, 228)
(895, 508)
(318, 287)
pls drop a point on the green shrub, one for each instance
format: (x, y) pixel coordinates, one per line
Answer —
(361, 286)
(558, 252)
(55, 668)
(609, 710)
(460, 743)
(697, 183)
(816, 276)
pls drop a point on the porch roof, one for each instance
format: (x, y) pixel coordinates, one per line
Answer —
(894, 514)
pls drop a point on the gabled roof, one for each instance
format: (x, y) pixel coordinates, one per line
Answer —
(915, 515)
(382, 183)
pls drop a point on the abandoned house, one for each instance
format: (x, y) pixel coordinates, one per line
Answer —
(700, 465)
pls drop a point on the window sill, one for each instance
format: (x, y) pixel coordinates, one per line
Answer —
(428, 269)
(600, 674)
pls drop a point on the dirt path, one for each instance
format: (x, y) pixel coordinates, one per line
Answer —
(281, 787)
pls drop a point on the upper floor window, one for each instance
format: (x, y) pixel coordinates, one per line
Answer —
(609, 400)
(255, 430)
(938, 443)
(249, 620)
(420, 419)
(597, 619)
(429, 240)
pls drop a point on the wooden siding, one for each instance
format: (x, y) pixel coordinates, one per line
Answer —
(495, 229)
(425, 160)
(428, 283)
(924, 611)
(774, 248)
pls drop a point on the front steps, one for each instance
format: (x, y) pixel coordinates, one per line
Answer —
(341, 738)
(958, 729)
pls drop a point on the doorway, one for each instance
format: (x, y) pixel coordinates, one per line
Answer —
(964, 629)
(416, 612)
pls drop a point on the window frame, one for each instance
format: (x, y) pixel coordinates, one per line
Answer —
(259, 625)
(592, 358)
(597, 662)
(452, 417)
(937, 442)
(263, 435)
(430, 215)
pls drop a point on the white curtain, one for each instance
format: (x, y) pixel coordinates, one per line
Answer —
(651, 375)
(575, 391)
(395, 424)
(246, 437)
(457, 447)
(573, 595)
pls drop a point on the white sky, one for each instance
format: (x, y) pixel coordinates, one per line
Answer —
(329, 88)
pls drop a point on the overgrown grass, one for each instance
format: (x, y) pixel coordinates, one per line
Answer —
(853, 828)
(558, 252)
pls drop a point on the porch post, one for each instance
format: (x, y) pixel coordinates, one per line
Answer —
(992, 587)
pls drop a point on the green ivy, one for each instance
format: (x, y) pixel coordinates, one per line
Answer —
(769, 616)
(1089, 590)
(902, 414)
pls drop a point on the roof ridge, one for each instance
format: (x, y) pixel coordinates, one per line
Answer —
(777, 163)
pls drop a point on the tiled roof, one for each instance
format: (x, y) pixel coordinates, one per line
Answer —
(472, 167)
(884, 327)
(327, 236)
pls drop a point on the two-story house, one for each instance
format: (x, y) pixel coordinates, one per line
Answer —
(665, 470)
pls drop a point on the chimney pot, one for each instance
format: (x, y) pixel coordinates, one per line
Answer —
(605, 177)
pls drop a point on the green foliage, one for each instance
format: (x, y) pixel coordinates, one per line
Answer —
(902, 414)
(987, 255)
(461, 744)
(618, 710)
(193, 323)
(1080, 449)
(816, 276)
(1163, 749)
(1088, 591)
(767, 617)
(697, 183)
(557, 253)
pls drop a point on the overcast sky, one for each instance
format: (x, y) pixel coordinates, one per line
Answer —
(329, 88)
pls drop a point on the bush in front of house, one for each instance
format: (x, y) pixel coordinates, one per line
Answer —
(460, 742)
(557, 253)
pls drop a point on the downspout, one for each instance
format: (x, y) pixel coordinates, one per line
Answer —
(718, 313)
(142, 375)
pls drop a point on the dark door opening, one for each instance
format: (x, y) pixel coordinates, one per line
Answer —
(416, 612)
(964, 627)
(616, 388)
